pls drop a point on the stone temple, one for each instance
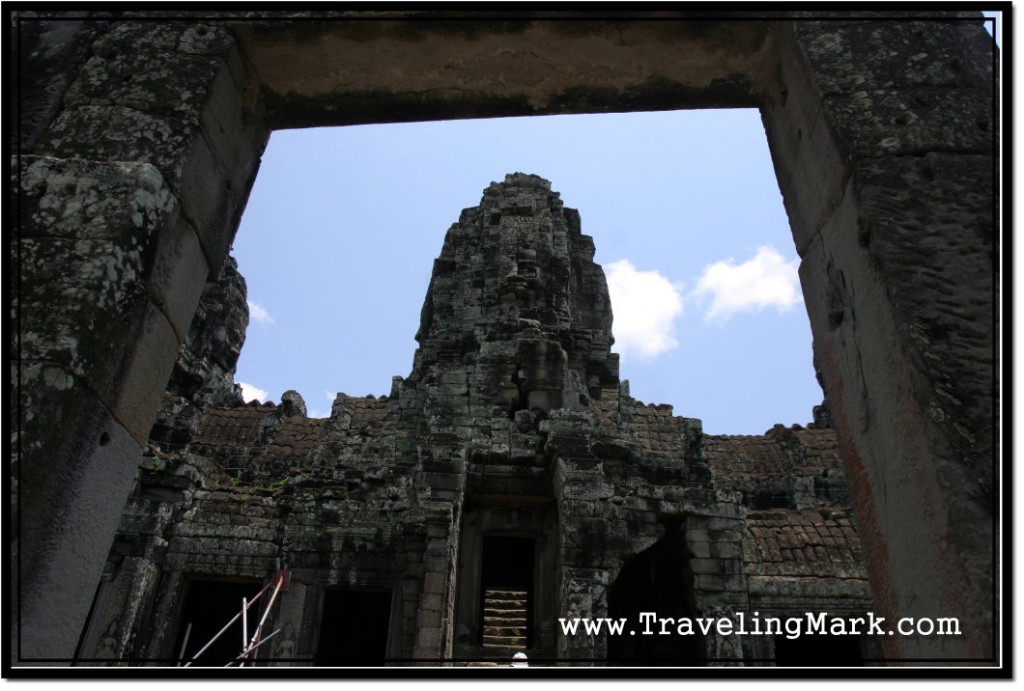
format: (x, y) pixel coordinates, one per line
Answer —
(508, 481)
(136, 138)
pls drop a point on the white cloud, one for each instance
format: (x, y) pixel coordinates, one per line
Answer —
(767, 280)
(252, 393)
(260, 314)
(645, 305)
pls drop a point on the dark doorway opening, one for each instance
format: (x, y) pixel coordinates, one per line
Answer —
(656, 580)
(818, 650)
(209, 606)
(354, 629)
(506, 593)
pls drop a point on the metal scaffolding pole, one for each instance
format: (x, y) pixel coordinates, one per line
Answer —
(248, 646)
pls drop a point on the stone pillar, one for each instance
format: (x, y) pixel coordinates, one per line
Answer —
(291, 620)
(132, 590)
(717, 564)
(883, 138)
(724, 650)
(583, 576)
(435, 614)
(129, 201)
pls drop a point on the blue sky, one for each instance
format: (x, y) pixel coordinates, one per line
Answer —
(343, 224)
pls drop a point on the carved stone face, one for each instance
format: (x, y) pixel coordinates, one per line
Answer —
(218, 331)
(518, 275)
(226, 342)
(216, 335)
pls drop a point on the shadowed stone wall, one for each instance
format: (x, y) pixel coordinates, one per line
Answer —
(130, 183)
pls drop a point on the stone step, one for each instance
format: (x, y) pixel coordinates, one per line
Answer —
(516, 642)
(504, 612)
(517, 632)
(496, 593)
(505, 620)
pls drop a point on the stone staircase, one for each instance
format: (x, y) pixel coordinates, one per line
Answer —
(505, 621)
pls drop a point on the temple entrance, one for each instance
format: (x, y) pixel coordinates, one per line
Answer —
(506, 593)
(656, 580)
(505, 602)
(354, 629)
(209, 606)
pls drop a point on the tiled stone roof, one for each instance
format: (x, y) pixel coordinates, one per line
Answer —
(779, 452)
(229, 429)
(810, 543)
(660, 434)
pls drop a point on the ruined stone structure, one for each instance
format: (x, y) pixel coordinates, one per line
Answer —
(508, 481)
(138, 140)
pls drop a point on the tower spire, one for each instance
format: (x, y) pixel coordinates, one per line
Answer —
(517, 315)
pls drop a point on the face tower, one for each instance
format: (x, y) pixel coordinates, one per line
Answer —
(517, 319)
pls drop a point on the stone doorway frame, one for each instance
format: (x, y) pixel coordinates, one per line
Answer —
(882, 132)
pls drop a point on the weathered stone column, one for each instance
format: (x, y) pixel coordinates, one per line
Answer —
(580, 489)
(128, 201)
(434, 629)
(883, 138)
